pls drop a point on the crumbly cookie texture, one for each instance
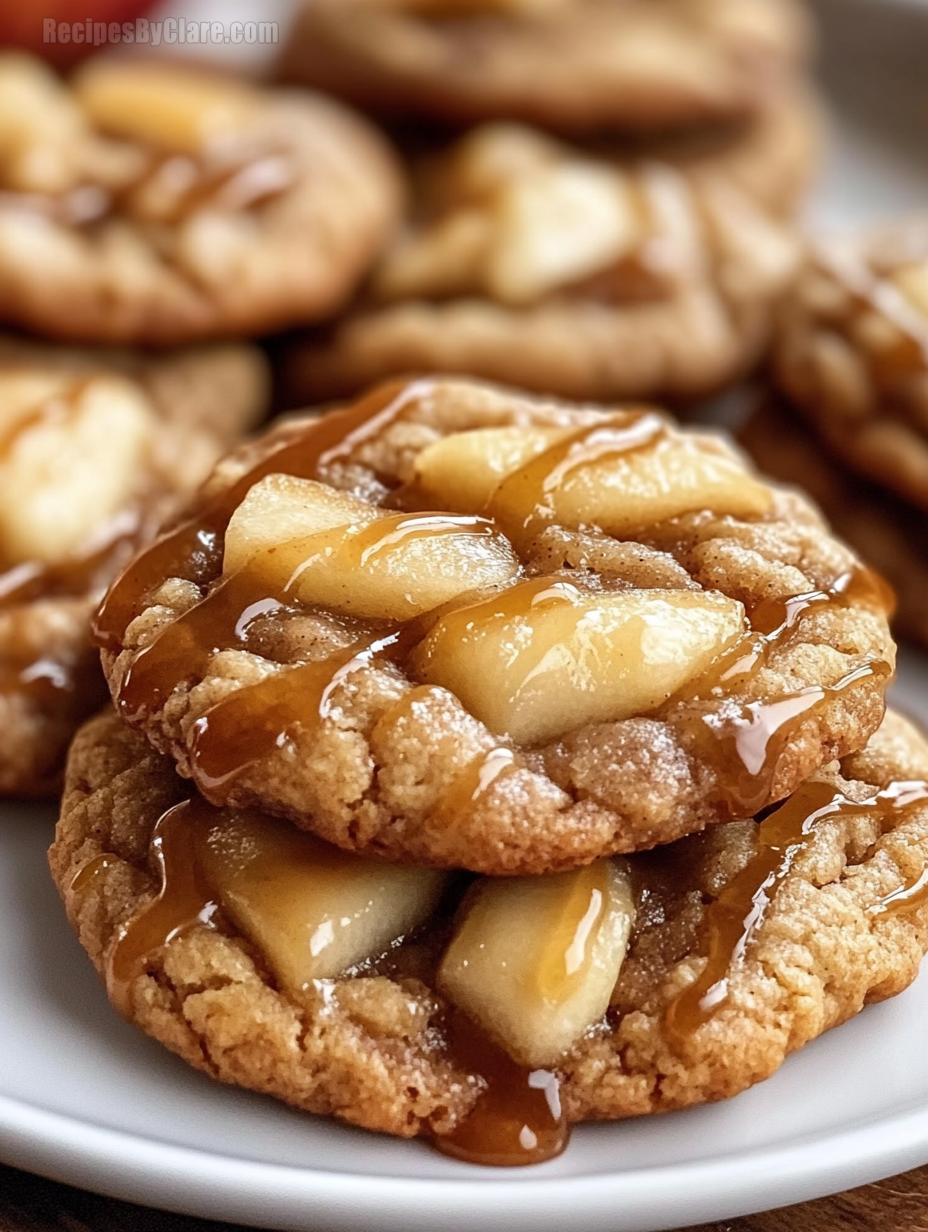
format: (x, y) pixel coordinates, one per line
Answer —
(879, 525)
(383, 758)
(152, 205)
(853, 353)
(96, 447)
(372, 1047)
(568, 65)
(538, 265)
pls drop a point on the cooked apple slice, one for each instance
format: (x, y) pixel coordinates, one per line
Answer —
(327, 549)
(544, 657)
(535, 959)
(621, 478)
(281, 507)
(312, 910)
(557, 225)
(69, 465)
(464, 469)
(164, 105)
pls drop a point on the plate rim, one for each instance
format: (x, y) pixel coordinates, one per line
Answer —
(190, 1181)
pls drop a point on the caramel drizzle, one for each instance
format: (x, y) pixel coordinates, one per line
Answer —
(193, 550)
(225, 617)
(518, 1119)
(734, 917)
(523, 502)
(748, 746)
(184, 900)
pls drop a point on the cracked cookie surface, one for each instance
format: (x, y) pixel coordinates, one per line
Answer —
(571, 66)
(95, 449)
(539, 265)
(460, 688)
(160, 206)
(841, 924)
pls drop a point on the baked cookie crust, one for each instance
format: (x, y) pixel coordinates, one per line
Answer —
(187, 408)
(375, 768)
(842, 926)
(571, 66)
(180, 207)
(535, 264)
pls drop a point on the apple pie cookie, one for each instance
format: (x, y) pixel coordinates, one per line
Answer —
(568, 65)
(95, 449)
(537, 265)
(490, 1014)
(160, 205)
(853, 355)
(454, 625)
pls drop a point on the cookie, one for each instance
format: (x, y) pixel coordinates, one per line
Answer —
(853, 354)
(613, 635)
(95, 449)
(772, 157)
(886, 531)
(568, 65)
(160, 205)
(533, 264)
(701, 965)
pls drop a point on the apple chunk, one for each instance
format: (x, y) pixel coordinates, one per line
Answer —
(300, 539)
(544, 657)
(281, 507)
(69, 464)
(534, 960)
(463, 470)
(167, 106)
(312, 910)
(619, 476)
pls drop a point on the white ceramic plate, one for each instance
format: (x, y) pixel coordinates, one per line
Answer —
(85, 1099)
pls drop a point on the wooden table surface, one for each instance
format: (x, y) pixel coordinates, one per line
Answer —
(29, 1204)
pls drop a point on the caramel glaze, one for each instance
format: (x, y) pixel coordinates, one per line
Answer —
(517, 1118)
(746, 749)
(193, 549)
(523, 503)
(184, 899)
(734, 917)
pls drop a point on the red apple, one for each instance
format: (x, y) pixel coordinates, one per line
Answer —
(24, 23)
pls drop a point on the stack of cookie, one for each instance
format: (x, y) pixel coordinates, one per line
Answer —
(601, 191)
(483, 764)
(852, 361)
(145, 207)
(478, 763)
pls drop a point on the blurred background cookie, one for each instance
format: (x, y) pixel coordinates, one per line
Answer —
(569, 65)
(853, 354)
(95, 449)
(885, 529)
(153, 204)
(529, 262)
